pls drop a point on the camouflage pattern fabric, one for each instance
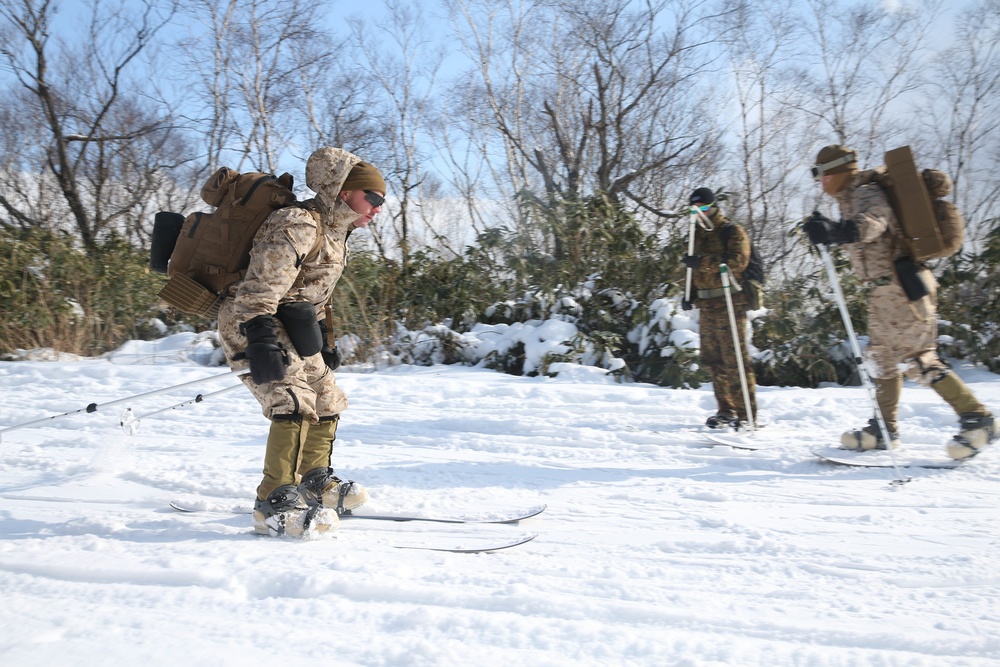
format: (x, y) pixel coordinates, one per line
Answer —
(718, 354)
(287, 265)
(708, 244)
(879, 246)
(903, 332)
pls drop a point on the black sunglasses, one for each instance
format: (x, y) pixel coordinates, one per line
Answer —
(374, 198)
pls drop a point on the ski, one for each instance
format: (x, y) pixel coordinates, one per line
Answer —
(485, 517)
(486, 545)
(736, 441)
(448, 541)
(508, 517)
(875, 458)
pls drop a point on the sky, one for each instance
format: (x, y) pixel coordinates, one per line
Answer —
(656, 548)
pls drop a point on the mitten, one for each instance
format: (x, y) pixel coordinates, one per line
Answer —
(691, 261)
(268, 358)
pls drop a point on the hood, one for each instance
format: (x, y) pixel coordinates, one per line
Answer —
(326, 171)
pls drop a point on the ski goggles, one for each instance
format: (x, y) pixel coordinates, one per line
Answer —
(704, 208)
(819, 170)
(374, 198)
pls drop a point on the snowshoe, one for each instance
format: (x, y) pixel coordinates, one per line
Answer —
(976, 431)
(867, 438)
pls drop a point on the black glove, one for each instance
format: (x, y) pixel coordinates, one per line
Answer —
(818, 228)
(691, 261)
(268, 358)
(822, 230)
(331, 355)
(686, 305)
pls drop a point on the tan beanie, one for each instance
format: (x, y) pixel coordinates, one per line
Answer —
(364, 177)
(841, 160)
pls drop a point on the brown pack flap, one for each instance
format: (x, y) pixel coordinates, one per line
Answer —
(189, 296)
(912, 204)
(215, 187)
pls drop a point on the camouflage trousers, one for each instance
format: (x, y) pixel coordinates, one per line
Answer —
(718, 356)
(903, 333)
(308, 390)
(903, 342)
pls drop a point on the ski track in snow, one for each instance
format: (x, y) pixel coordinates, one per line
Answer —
(655, 549)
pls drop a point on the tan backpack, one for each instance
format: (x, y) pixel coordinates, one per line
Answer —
(930, 227)
(212, 250)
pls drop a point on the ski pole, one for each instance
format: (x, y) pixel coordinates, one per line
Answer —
(866, 380)
(727, 289)
(130, 423)
(692, 222)
(93, 407)
(695, 215)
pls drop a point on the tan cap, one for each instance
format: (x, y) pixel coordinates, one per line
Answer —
(835, 159)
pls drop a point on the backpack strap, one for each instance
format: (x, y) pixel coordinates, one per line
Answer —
(312, 206)
(879, 176)
(727, 233)
(329, 323)
(319, 233)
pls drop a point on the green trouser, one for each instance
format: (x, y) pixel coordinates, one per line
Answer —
(718, 356)
(294, 448)
(948, 386)
(958, 395)
(887, 394)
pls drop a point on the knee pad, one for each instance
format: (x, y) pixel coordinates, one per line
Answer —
(928, 369)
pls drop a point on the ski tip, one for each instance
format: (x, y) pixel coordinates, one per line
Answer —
(533, 511)
(523, 539)
(191, 506)
(182, 508)
(487, 548)
(515, 517)
(737, 441)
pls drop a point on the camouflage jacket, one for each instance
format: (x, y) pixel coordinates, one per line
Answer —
(866, 204)
(289, 261)
(709, 245)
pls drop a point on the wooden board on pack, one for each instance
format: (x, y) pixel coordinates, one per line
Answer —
(213, 249)
(931, 227)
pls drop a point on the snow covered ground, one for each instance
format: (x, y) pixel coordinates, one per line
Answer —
(655, 549)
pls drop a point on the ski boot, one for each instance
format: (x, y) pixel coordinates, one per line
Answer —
(320, 487)
(723, 420)
(286, 513)
(868, 438)
(976, 432)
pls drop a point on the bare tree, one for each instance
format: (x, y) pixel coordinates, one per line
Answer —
(87, 122)
(591, 98)
(405, 68)
(251, 92)
(335, 105)
(762, 41)
(864, 59)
